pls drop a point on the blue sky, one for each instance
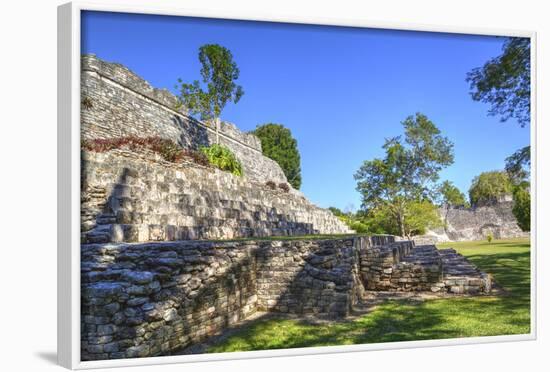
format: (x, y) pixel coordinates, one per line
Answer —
(340, 90)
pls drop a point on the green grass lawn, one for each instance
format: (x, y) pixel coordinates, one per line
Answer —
(507, 260)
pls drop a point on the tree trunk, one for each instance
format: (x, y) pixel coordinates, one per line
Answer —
(402, 224)
(217, 131)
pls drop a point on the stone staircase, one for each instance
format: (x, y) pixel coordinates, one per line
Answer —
(422, 268)
(461, 276)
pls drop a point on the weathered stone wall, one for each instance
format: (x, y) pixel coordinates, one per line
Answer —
(149, 299)
(475, 223)
(120, 103)
(130, 197)
(309, 277)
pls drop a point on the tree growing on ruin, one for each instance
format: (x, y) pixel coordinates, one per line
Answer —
(451, 196)
(404, 181)
(488, 187)
(279, 144)
(219, 73)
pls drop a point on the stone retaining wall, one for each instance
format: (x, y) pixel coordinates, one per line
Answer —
(117, 103)
(130, 197)
(150, 299)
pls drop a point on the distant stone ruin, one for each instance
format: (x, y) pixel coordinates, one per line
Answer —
(464, 224)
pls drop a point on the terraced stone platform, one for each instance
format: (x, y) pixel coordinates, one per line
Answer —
(422, 268)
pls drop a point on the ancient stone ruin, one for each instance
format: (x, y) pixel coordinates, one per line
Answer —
(476, 223)
(155, 277)
(150, 299)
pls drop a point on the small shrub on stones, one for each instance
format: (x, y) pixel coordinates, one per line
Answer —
(169, 150)
(221, 157)
(283, 186)
(271, 185)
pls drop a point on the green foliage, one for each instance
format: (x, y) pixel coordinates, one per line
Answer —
(451, 195)
(505, 82)
(279, 145)
(420, 216)
(489, 186)
(219, 73)
(489, 237)
(518, 165)
(336, 211)
(522, 208)
(407, 174)
(222, 158)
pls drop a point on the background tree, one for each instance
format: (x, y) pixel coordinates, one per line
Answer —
(451, 196)
(488, 187)
(408, 173)
(518, 165)
(279, 145)
(522, 208)
(505, 82)
(219, 73)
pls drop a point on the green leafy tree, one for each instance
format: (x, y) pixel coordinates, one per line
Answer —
(488, 187)
(451, 195)
(408, 173)
(522, 208)
(279, 145)
(336, 211)
(219, 73)
(355, 221)
(518, 165)
(505, 82)
(421, 216)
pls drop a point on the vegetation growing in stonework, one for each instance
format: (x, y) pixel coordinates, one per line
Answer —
(403, 184)
(221, 157)
(488, 187)
(271, 185)
(168, 149)
(283, 186)
(279, 145)
(219, 73)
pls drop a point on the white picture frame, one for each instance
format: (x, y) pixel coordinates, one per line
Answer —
(69, 185)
